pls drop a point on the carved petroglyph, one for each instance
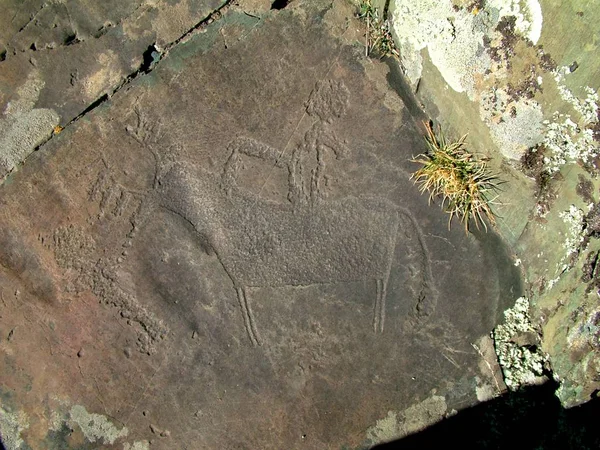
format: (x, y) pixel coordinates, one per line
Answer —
(148, 132)
(306, 241)
(249, 322)
(306, 164)
(113, 199)
(123, 211)
(75, 253)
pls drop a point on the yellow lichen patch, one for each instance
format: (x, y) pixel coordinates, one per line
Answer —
(57, 129)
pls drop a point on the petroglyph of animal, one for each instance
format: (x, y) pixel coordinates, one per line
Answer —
(304, 241)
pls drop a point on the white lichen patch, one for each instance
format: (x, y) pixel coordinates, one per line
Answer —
(484, 392)
(585, 333)
(573, 218)
(22, 126)
(567, 143)
(457, 40)
(95, 427)
(105, 78)
(570, 140)
(137, 445)
(515, 126)
(454, 40)
(385, 430)
(527, 13)
(521, 365)
(455, 37)
(586, 107)
(573, 238)
(12, 424)
(415, 418)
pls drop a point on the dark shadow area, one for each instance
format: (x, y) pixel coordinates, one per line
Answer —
(510, 286)
(279, 4)
(532, 418)
(149, 59)
(398, 83)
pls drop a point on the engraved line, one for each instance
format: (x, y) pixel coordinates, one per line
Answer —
(387, 276)
(251, 317)
(247, 326)
(427, 286)
(190, 223)
(376, 312)
(144, 392)
(382, 306)
(428, 276)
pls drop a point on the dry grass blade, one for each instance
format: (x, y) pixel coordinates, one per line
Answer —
(465, 185)
(378, 37)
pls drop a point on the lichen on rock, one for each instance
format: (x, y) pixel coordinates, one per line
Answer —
(12, 424)
(95, 427)
(22, 126)
(471, 47)
(521, 360)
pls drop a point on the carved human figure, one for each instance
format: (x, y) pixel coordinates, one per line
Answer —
(328, 101)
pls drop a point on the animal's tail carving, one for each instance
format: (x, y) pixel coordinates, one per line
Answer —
(427, 294)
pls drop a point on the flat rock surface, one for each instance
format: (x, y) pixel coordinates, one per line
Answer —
(230, 254)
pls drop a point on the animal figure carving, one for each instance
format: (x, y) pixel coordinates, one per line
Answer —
(305, 241)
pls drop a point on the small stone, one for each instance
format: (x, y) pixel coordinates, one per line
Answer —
(165, 433)
(81, 353)
(127, 352)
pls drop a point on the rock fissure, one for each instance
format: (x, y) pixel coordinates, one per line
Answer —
(150, 59)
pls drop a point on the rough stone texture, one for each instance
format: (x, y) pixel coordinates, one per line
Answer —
(531, 105)
(229, 253)
(60, 57)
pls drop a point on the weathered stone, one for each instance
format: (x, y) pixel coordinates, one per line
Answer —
(285, 283)
(57, 58)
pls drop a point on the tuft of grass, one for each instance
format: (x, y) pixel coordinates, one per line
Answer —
(464, 183)
(378, 37)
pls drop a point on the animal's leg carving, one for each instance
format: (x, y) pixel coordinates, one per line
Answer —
(379, 310)
(382, 283)
(249, 322)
